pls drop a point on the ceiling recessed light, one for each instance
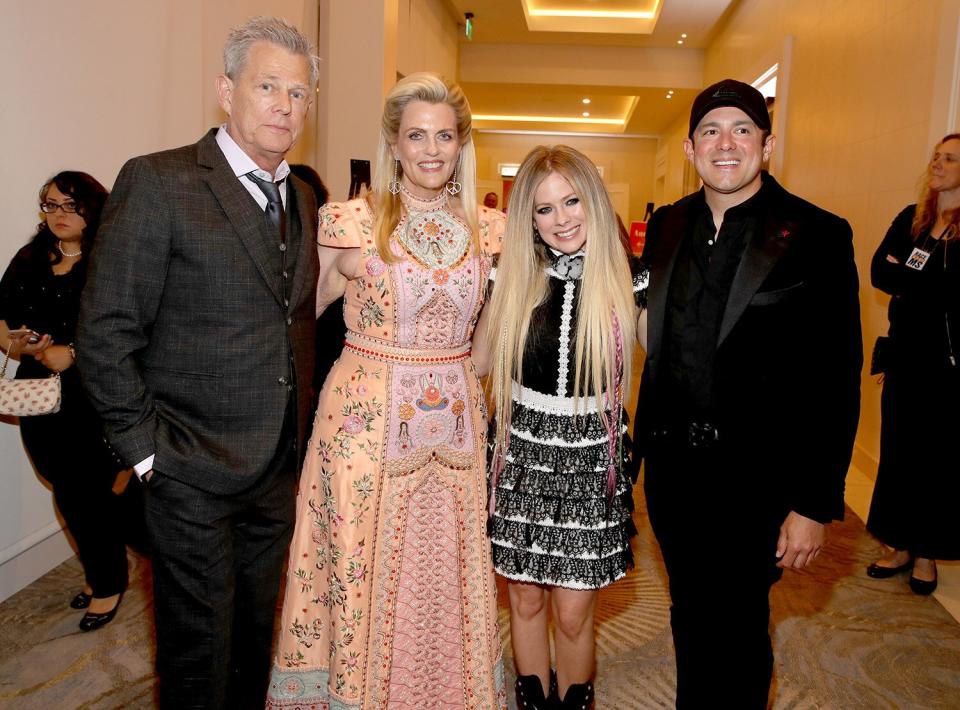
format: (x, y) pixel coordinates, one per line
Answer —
(586, 101)
(679, 41)
(670, 91)
(669, 96)
(684, 35)
(585, 114)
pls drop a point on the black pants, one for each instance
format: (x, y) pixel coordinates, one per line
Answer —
(718, 537)
(67, 449)
(217, 562)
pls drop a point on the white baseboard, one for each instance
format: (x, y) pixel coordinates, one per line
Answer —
(32, 558)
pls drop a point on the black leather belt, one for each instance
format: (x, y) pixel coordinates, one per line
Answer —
(695, 434)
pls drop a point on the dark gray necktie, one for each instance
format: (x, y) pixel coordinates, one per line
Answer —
(274, 211)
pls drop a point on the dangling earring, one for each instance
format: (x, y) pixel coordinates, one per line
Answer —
(394, 185)
(453, 187)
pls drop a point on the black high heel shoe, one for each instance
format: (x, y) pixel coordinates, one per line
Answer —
(924, 586)
(881, 572)
(81, 601)
(92, 622)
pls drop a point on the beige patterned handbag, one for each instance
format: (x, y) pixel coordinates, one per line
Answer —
(23, 398)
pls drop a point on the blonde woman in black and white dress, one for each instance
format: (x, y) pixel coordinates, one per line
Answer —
(558, 335)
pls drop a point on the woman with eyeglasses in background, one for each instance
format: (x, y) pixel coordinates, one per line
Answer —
(39, 306)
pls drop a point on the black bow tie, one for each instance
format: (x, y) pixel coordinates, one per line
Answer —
(568, 267)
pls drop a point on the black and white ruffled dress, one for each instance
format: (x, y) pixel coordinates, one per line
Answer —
(553, 522)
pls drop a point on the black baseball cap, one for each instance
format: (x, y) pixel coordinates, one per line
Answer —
(730, 92)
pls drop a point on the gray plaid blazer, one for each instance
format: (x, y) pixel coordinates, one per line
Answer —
(190, 345)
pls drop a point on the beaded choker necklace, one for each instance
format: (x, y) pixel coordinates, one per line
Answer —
(421, 204)
(78, 252)
(430, 234)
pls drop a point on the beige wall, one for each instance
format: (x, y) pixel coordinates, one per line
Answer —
(398, 38)
(354, 76)
(671, 162)
(627, 163)
(869, 86)
(428, 38)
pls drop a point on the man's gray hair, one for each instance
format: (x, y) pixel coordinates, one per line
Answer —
(266, 29)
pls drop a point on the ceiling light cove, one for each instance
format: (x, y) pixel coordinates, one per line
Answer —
(549, 119)
(614, 14)
(599, 16)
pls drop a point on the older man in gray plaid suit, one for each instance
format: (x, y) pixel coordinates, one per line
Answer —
(196, 346)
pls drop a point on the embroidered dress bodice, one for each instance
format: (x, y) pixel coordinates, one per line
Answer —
(430, 233)
(430, 296)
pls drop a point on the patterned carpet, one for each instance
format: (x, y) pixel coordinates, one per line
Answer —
(842, 640)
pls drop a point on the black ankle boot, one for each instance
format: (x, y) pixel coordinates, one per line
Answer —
(578, 697)
(553, 700)
(530, 693)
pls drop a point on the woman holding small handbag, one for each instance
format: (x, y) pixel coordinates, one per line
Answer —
(918, 264)
(39, 306)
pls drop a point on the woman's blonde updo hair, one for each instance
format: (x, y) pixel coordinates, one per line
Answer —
(433, 89)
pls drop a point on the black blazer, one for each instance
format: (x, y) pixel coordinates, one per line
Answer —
(185, 343)
(789, 351)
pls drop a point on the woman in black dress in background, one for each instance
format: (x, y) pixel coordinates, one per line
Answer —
(40, 291)
(918, 264)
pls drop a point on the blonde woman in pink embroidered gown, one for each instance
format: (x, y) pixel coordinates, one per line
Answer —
(390, 597)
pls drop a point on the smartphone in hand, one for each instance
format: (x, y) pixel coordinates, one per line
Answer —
(34, 336)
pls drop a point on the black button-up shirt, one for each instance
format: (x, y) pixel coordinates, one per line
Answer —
(703, 275)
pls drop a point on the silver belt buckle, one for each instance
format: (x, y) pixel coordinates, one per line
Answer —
(702, 434)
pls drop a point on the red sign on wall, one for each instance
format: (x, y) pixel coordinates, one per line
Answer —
(638, 236)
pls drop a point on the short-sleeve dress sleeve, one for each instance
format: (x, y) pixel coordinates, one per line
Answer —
(493, 223)
(346, 224)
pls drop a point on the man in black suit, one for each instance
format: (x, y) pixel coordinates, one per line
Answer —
(750, 396)
(196, 346)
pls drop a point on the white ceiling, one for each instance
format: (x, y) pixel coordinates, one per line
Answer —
(638, 84)
(503, 22)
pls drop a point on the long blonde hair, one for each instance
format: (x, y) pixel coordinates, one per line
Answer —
(433, 89)
(606, 294)
(926, 214)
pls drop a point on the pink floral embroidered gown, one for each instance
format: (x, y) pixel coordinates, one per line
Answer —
(390, 597)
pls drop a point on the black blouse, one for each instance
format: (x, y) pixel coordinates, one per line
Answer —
(32, 295)
(925, 305)
(706, 266)
(551, 340)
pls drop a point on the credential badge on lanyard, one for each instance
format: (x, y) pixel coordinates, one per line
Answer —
(918, 259)
(919, 256)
